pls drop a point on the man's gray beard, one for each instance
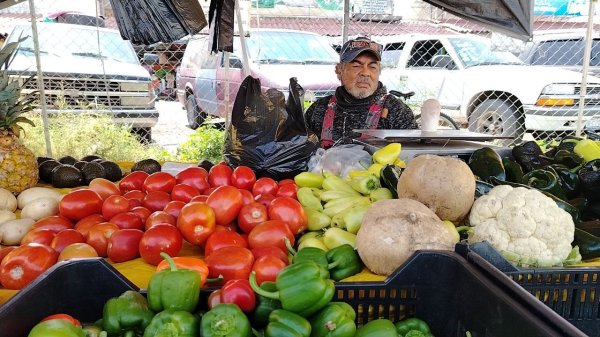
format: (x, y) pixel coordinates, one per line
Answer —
(361, 93)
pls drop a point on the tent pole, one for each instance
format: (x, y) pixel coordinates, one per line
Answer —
(40, 79)
(238, 18)
(345, 21)
(586, 65)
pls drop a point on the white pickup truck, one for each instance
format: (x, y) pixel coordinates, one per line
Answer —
(486, 90)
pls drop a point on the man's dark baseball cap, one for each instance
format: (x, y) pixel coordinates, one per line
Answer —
(351, 49)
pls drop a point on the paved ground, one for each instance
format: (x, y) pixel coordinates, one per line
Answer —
(172, 129)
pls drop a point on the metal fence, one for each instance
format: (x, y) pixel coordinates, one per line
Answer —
(485, 81)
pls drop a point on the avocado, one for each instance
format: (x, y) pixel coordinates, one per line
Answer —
(43, 159)
(69, 160)
(92, 171)
(205, 164)
(112, 170)
(147, 165)
(45, 170)
(90, 157)
(79, 164)
(97, 160)
(65, 175)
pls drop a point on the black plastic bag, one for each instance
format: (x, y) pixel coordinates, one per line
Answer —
(220, 16)
(267, 133)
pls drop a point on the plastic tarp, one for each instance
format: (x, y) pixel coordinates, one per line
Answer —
(511, 17)
(150, 21)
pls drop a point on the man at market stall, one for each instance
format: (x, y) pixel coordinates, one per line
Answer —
(361, 102)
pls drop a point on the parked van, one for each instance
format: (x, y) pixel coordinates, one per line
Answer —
(274, 57)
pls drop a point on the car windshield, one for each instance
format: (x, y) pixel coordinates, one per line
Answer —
(69, 40)
(476, 52)
(565, 53)
(290, 48)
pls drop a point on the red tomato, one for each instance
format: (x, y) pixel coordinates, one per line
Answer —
(233, 263)
(159, 181)
(5, 250)
(220, 175)
(243, 178)
(247, 197)
(265, 185)
(251, 215)
(226, 201)
(265, 199)
(214, 298)
(78, 204)
(114, 205)
(184, 193)
(159, 217)
(267, 267)
(174, 207)
(199, 198)
(156, 200)
(290, 211)
(41, 236)
(83, 225)
(127, 220)
(54, 222)
(98, 236)
(142, 212)
(271, 233)
(286, 181)
(24, 264)
(133, 181)
(223, 238)
(64, 317)
(196, 177)
(135, 194)
(160, 238)
(134, 203)
(104, 187)
(240, 293)
(124, 245)
(196, 222)
(288, 190)
(261, 251)
(65, 238)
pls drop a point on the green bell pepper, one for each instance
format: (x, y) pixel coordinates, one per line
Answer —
(377, 328)
(568, 158)
(307, 254)
(56, 328)
(284, 323)
(173, 323)
(545, 179)
(225, 320)
(413, 327)
(265, 306)
(174, 289)
(568, 180)
(302, 288)
(343, 262)
(514, 171)
(127, 314)
(486, 163)
(335, 320)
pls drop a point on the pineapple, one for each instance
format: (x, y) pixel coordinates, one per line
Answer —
(18, 165)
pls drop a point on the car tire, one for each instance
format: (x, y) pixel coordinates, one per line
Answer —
(195, 116)
(498, 117)
(144, 135)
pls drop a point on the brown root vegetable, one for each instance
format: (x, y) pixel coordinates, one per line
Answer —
(444, 184)
(392, 230)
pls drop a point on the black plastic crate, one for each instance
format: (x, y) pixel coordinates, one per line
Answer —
(573, 293)
(443, 288)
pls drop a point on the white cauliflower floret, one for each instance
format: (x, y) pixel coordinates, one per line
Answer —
(523, 224)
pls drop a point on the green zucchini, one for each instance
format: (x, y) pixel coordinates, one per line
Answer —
(482, 188)
(389, 176)
(589, 245)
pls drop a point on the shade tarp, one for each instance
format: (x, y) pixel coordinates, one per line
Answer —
(511, 17)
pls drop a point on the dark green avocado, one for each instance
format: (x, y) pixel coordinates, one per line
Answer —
(66, 176)
(92, 171)
(147, 165)
(45, 170)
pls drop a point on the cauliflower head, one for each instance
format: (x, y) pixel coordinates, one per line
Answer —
(523, 224)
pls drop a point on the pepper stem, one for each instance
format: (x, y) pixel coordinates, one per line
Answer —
(214, 279)
(169, 260)
(274, 295)
(129, 334)
(333, 264)
(289, 247)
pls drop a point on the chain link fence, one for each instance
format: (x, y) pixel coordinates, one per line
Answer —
(485, 81)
